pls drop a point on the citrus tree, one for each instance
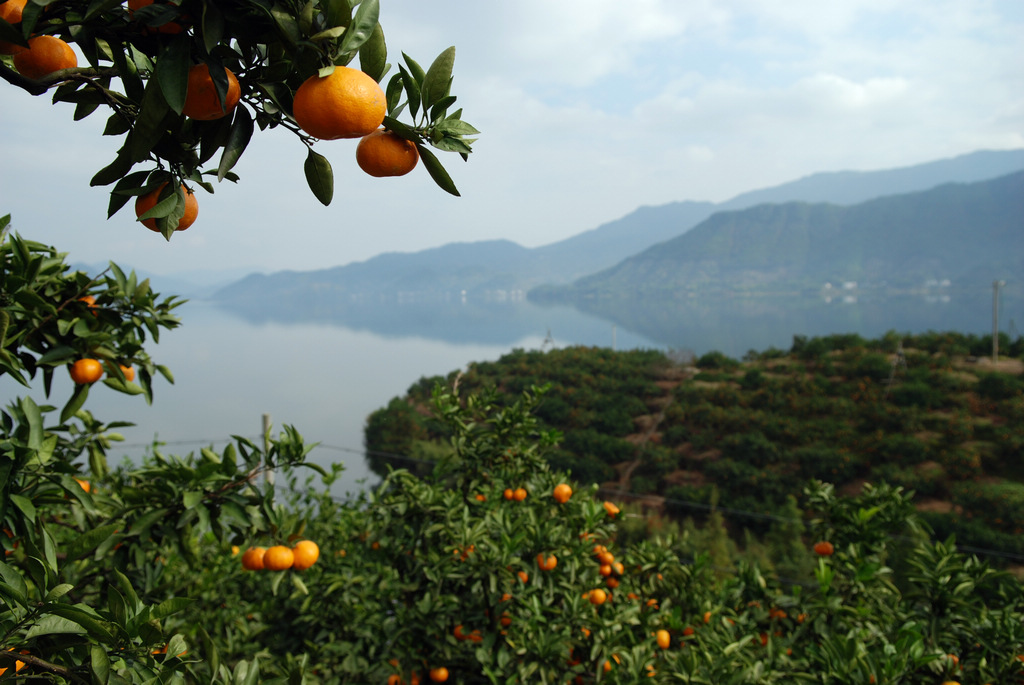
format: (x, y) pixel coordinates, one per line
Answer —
(185, 85)
(96, 559)
(493, 568)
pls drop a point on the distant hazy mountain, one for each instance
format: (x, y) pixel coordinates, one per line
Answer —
(496, 268)
(960, 233)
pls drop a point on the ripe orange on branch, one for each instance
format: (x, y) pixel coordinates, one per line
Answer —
(86, 371)
(384, 153)
(148, 201)
(10, 11)
(278, 558)
(45, 55)
(346, 104)
(201, 99)
(562, 493)
(824, 548)
(305, 554)
(252, 559)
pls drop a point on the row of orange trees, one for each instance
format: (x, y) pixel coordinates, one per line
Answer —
(134, 578)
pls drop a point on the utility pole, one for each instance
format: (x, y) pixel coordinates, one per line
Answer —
(995, 319)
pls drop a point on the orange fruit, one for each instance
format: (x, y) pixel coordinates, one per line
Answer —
(823, 548)
(305, 554)
(519, 494)
(480, 497)
(278, 558)
(611, 509)
(509, 494)
(252, 559)
(523, 576)
(85, 371)
(201, 99)
(18, 665)
(84, 484)
(129, 372)
(346, 104)
(439, 674)
(618, 567)
(707, 617)
(45, 55)
(384, 153)
(171, 27)
(663, 638)
(10, 12)
(562, 493)
(688, 630)
(606, 558)
(612, 582)
(598, 596)
(148, 201)
(547, 564)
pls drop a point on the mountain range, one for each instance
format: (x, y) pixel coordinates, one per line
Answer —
(820, 208)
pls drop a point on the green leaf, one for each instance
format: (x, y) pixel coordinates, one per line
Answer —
(116, 125)
(361, 28)
(145, 522)
(238, 138)
(319, 177)
(171, 605)
(34, 418)
(415, 70)
(55, 625)
(373, 56)
(438, 79)
(25, 505)
(81, 545)
(288, 28)
(172, 71)
(191, 498)
(82, 616)
(75, 402)
(456, 127)
(437, 171)
(412, 90)
(100, 664)
(212, 26)
(59, 591)
(124, 190)
(121, 165)
(339, 13)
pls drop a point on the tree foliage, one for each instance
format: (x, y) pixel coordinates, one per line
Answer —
(138, 67)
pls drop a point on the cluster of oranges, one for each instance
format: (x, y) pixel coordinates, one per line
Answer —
(87, 371)
(348, 103)
(518, 494)
(281, 558)
(44, 54)
(608, 568)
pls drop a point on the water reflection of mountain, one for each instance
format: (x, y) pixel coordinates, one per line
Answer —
(733, 325)
(738, 324)
(497, 321)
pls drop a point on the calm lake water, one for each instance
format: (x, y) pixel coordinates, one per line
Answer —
(326, 377)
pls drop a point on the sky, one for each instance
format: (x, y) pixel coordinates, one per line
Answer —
(587, 109)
